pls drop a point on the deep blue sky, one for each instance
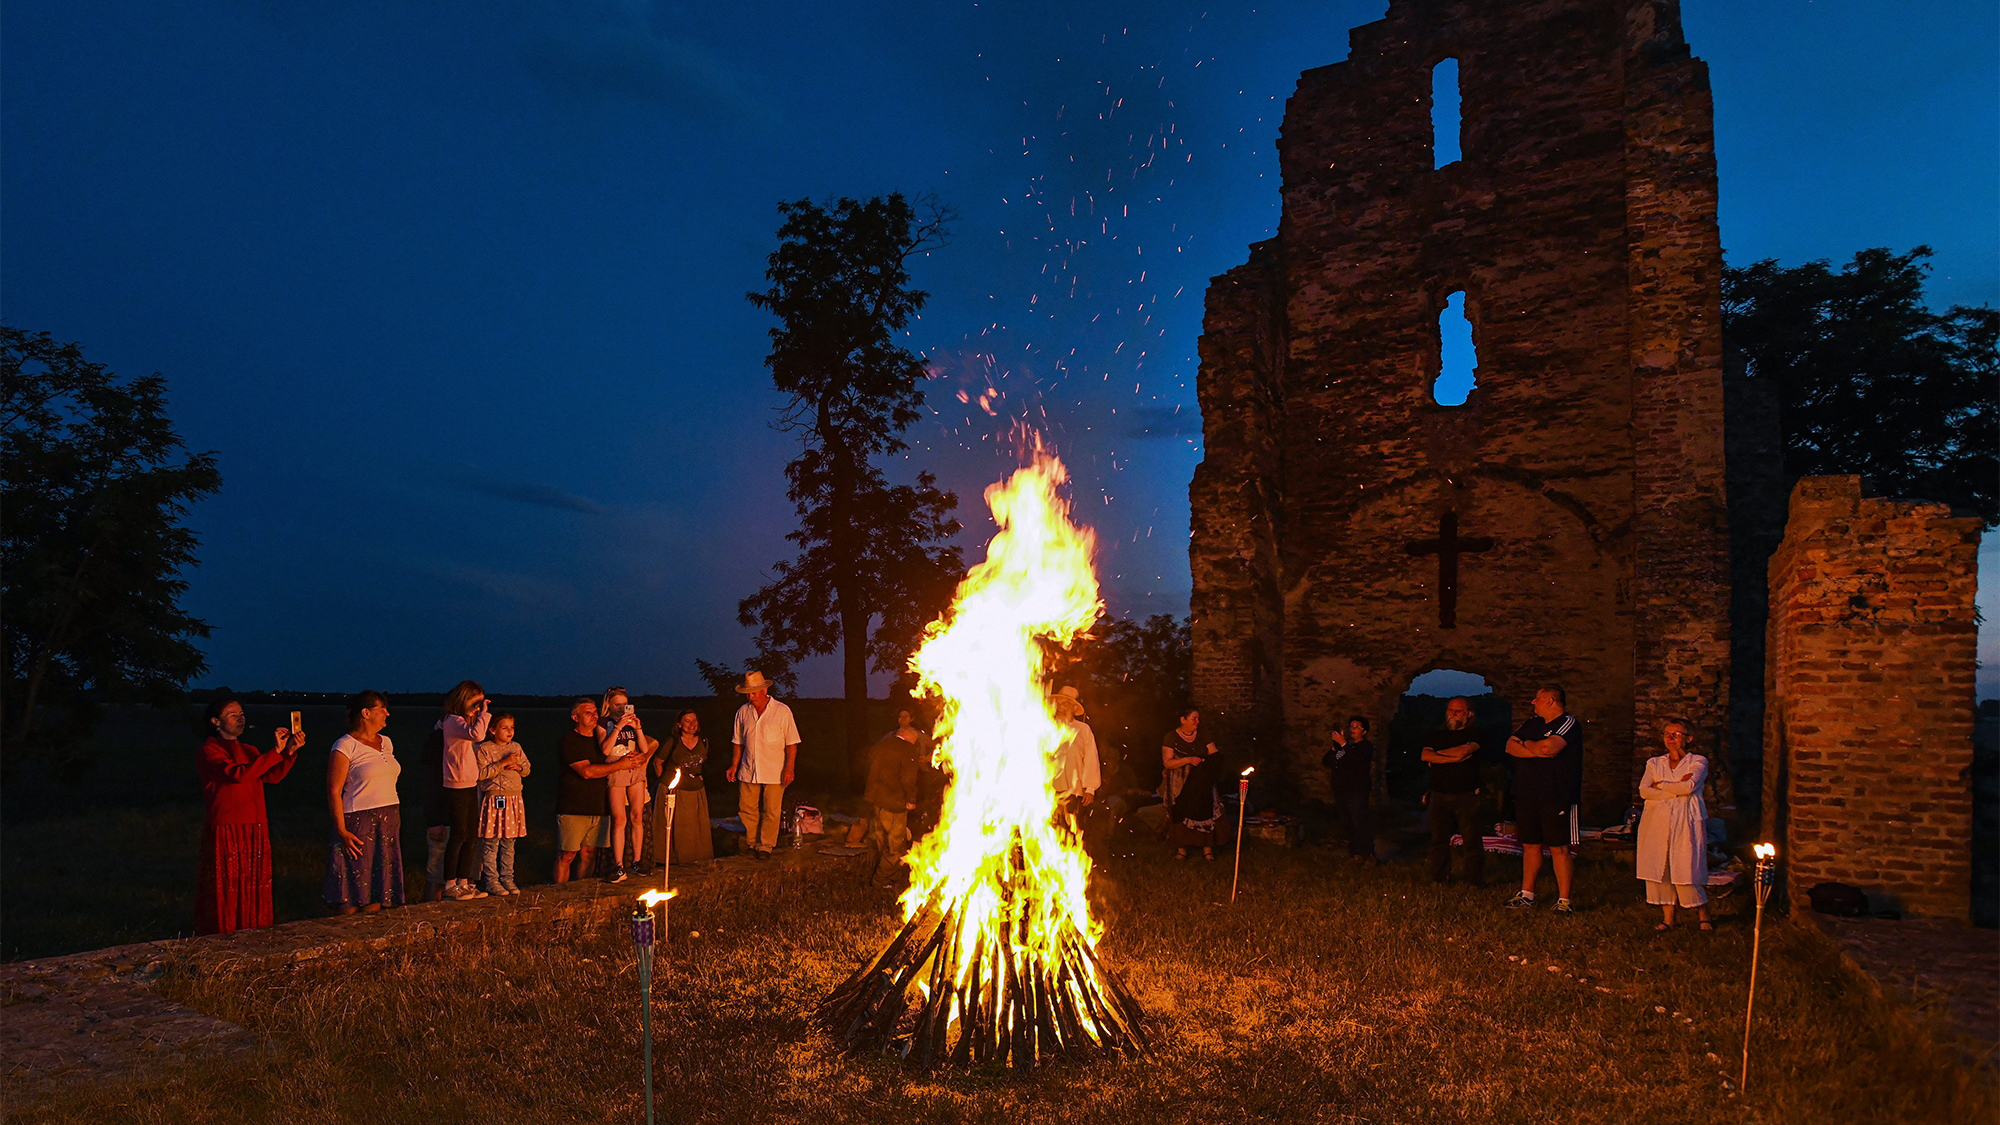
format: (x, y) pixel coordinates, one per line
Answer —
(456, 289)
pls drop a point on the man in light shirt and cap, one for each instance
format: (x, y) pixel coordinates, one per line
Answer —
(1078, 774)
(766, 743)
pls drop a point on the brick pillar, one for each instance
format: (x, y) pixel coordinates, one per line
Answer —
(1869, 697)
(1236, 608)
(1674, 328)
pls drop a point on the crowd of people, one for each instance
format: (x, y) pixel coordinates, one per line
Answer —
(615, 780)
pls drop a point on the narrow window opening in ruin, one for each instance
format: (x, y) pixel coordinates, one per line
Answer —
(1421, 711)
(1445, 123)
(1457, 358)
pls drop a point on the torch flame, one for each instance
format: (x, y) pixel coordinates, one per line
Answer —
(675, 783)
(655, 898)
(996, 733)
(1247, 771)
(1765, 851)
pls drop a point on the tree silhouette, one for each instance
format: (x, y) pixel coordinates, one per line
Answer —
(95, 486)
(870, 572)
(1871, 381)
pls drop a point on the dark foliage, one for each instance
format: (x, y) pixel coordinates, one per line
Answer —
(1871, 381)
(722, 679)
(96, 483)
(1132, 676)
(871, 570)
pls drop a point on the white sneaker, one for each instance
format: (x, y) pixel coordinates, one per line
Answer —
(465, 891)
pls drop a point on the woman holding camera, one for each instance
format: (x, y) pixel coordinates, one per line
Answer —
(466, 717)
(233, 888)
(623, 739)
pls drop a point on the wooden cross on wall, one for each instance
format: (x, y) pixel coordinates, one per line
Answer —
(1447, 547)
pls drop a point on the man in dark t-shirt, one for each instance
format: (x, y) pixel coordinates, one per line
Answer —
(582, 799)
(1351, 765)
(1548, 780)
(1453, 801)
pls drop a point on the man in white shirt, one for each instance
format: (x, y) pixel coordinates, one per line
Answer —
(767, 752)
(1078, 775)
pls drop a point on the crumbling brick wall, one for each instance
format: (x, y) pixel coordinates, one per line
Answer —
(1869, 696)
(1580, 224)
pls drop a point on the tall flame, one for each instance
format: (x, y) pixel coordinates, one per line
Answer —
(996, 733)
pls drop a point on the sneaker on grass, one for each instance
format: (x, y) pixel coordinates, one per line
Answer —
(1563, 907)
(1522, 900)
(617, 875)
(465, 892)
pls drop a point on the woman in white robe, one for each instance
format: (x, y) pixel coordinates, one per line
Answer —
(1673, 833)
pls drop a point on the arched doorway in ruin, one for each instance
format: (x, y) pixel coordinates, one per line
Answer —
(1421, 710)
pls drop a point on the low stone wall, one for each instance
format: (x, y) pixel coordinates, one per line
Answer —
(95, 1016)
(1869, 687)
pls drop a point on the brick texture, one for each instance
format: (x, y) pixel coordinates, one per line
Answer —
(1580, 224)
(1869, 696)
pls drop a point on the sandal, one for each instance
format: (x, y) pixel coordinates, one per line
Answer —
(1708, 925)
(1208, 854)
(1663, 927)
(1180, 853)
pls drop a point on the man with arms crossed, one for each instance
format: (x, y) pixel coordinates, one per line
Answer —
(766, 754)
(1453, 800)
(1548, 761)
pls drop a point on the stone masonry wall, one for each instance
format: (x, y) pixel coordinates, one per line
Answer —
(1869, 697)
(1580, 224)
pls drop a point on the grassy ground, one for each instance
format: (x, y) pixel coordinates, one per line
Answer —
(109, 857)
(1327, 994)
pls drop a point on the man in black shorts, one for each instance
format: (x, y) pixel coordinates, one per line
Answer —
(1453, 801)
(1548, 779)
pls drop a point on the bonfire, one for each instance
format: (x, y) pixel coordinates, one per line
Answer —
(996, 962)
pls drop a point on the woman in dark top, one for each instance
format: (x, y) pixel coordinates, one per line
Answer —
(686, 751)
(1194, 803)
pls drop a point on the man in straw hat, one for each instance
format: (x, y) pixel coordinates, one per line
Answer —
(1078, 775)
(766, 754)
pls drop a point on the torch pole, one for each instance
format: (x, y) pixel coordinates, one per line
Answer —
(1242, 810)
(642, 936)
(1766, 870)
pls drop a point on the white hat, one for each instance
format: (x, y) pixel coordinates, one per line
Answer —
(754, 681)
(1068, 693)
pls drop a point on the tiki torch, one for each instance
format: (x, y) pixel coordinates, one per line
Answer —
(1242, 810)
(667, 845)
(643, 936)
(1767, 874)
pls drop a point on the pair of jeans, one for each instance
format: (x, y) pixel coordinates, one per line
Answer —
(461, 850)
(1352, 809)
(498, 861)
(1456, 814)
(762, 808)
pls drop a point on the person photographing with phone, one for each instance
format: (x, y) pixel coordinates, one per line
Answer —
(466, 717)
(623, 739)
(233, 888)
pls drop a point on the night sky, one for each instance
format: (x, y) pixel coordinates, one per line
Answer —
(456, 290)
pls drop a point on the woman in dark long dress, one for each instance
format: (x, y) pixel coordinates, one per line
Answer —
(686, 751)
(1191, 765)
(233, 883)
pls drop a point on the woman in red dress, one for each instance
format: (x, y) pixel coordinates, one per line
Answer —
(233, 889)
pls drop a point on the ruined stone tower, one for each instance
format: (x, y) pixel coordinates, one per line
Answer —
(1578, 492)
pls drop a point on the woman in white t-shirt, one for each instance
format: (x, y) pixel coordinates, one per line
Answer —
(364, 865)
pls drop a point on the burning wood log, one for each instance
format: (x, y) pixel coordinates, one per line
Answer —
(996, 961)
(941, 994)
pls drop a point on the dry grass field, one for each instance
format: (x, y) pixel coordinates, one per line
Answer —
(1327, 994)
